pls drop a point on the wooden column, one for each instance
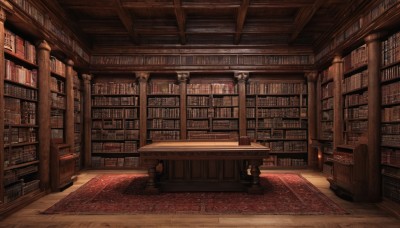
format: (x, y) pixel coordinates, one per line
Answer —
(2, 76)
(374, 116)
(69, 113)
(142, 78)
(87, 120)
(312, 118)
(337, 67)
(241, 78)
(182, 78)
(43, 60)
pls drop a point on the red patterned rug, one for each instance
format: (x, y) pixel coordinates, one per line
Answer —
(122, 194)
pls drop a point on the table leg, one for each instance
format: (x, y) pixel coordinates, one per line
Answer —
(255, 187)
(151, 186)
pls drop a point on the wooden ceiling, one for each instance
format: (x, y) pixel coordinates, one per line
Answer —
(205, 22)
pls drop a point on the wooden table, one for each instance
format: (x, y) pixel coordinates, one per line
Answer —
(203, 166)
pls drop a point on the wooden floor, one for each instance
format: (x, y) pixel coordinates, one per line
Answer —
(360, 214)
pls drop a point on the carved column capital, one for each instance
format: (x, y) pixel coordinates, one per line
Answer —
(142, 76)
(242, 76)
(43, 45)
(5, 6)
(183, 76)
(337, 59)
(374, 37)
(70, 63)
(311, 76)
(87, 78)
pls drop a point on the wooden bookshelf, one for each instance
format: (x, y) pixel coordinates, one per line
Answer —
(212, 108)
(277, 117)
(390, 126)
(78, 121)
(355, 95)
(326, 118)
(20, 172)
(115, 122)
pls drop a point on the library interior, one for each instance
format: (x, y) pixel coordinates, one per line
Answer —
(176, 113)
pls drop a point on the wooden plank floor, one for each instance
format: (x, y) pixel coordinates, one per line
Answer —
(360, 214)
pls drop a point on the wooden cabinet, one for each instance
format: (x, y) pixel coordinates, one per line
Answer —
(350, 172)
(62, 166)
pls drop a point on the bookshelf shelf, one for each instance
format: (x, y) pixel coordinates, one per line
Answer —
(20, 84)
(11, 55)
(21, 165)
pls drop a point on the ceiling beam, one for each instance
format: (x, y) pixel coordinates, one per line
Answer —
(241, 17)
(126, 20)
(304, 16)
(181, 20)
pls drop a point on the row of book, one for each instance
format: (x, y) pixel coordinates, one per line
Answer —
(163, 101)
(56, 66)
(114, 113)
(58, 101)
(344, 157)
(390, 156)
(327, 90)
(124, 162)
(391, 114)
(390, 73)
(327, 104)
(20, 92)
(360, 112)
(114, 88)
(279, 112)
(57, 118)
(287, 146)
(225, 124)
(57, 85)
(14, 175)
(114, 147)
(57, 134)
(391, 188)
(326, 75)
(163, 88)
(164, 135)
(18, 155)
(276, 88)
(17, 111)
(277, 123)
(101, 134)
(225, 101)
(355, 81)
(357, 126)
(356, 58)
(215, 135)
(354, 138)
(19, 135)
(197, 124)
(391, 50)
(198, 101)
(115, 101)
(163, 124)
(19, 189)
(390, 129)
(391, 93)
(77, 106)
(20, 74)
(20, 47)
(393, 140)
(327, 126)
(212, 88)
(356, 99)
(163, 112)
(250, 113)
(115, 124)
(275, 161)
(280, 101)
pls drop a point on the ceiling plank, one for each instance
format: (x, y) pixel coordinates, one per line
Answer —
(126, 20)
(241, 17)
(304, 16)
(181, 20)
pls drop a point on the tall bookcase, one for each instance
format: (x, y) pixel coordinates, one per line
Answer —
(163, 110)
(212, 109)
(58, 100)
(78, 117)
(276, 116)
(390, 125)
(355, 96)
(20, 158)
(115, 122)
(326, 118)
